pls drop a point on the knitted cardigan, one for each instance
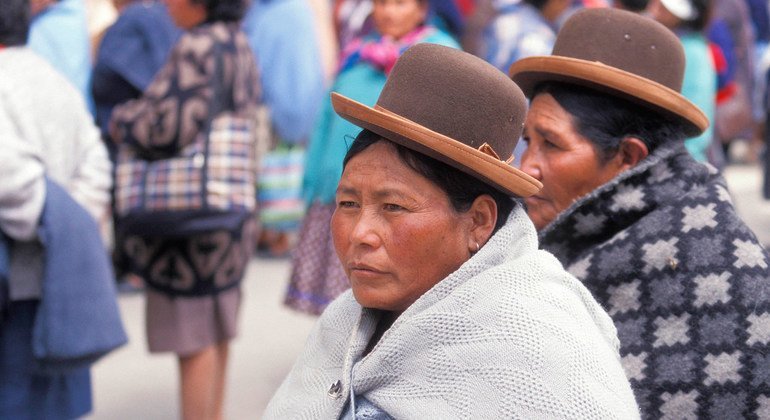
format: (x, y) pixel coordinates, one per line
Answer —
(686, 282)
(510, 334)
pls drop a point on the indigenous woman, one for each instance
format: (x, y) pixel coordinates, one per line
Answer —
(453, 312)
(650, 231)
(193, 280)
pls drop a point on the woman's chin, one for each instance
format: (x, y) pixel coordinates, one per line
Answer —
(370, 298)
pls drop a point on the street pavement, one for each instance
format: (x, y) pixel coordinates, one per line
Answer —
(132, 384)
(745, 184)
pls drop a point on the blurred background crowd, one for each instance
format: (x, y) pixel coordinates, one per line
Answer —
(111, 50)
(114, 52)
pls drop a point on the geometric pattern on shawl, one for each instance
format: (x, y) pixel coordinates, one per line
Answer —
(686, 282)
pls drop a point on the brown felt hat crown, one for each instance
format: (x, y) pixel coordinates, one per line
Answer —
(454, 107)
(621, 53)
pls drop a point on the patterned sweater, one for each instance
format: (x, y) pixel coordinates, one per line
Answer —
(686, 282)
(174, 109)
(510, 334)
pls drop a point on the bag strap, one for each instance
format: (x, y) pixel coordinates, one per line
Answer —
(215, 108)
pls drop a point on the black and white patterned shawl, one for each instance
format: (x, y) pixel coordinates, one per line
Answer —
(686, 282)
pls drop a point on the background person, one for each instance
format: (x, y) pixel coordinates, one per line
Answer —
(652, 233)
(131, 52)
(283, 34)
(688, 20)
(59, 34)
(521, 29)
(735, 118)
(453, 312)
(47, 132)
(196, 326)
(317, 277)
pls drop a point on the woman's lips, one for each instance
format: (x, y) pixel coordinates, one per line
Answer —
(364, 270)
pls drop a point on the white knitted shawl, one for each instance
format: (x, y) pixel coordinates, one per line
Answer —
(510, 334)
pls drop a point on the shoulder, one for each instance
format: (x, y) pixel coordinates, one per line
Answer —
(23, 69)
(197, 44)
(341, 312)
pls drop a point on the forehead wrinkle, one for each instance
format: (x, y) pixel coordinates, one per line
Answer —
(385, 192)
(378, 193)
(342, 189)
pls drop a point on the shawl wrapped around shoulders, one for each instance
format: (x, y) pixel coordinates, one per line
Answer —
(510, 334)
(685, 280)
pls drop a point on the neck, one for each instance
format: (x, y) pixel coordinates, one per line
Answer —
(386, 320)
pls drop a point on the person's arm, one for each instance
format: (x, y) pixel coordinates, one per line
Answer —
(22, 192)
(173, 109)
(91, 182)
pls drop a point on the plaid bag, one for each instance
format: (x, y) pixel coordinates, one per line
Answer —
(208, 185)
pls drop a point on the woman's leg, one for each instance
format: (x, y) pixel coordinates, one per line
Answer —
(223, 349)
(198, 377)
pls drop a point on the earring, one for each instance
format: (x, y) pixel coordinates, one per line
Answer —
(477, 247)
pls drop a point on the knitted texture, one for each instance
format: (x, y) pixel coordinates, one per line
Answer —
(510, 334)
(686, 282)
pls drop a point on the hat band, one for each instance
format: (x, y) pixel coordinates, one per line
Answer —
(484, 148)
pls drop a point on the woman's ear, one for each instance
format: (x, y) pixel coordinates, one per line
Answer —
(483, 217)
(632, 151)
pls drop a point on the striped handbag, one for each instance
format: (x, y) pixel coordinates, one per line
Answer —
(208, 185)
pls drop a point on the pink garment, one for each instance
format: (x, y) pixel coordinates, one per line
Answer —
(383, 51)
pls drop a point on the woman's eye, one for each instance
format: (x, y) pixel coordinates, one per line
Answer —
(346, 204)
(392, 207)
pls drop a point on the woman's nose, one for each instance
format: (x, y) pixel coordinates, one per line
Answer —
(530, 164)
(365, 230)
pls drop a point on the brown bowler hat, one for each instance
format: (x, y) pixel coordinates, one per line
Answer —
(621, 53)
(454, 107)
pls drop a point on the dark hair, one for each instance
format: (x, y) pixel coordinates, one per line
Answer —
(537, 4)
(224, 10)
(460, 187)
(703, 8)
(633, 5)
(14, 22)
(606, 120)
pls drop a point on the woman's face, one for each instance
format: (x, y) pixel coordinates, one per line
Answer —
(396, 18)
(186, 13)
(395, 232)
(558, 156)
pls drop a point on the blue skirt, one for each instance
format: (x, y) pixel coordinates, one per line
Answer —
(25, 391)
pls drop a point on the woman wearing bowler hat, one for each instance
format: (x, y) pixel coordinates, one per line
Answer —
(453, 312)
(651, 232)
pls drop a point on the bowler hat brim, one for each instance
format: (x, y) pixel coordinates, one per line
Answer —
(477, 163)
(529, 72)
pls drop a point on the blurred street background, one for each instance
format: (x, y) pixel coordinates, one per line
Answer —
(132, 384)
